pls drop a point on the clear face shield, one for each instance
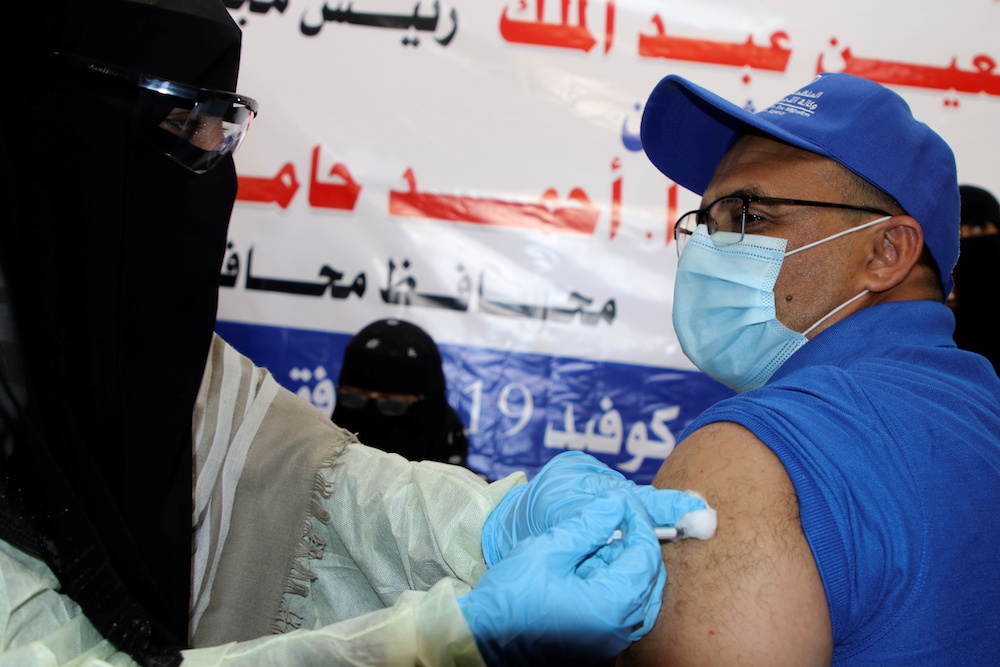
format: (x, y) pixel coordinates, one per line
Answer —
(196, 127)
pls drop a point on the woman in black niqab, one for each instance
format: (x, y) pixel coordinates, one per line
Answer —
(397, 358)
(110, 258)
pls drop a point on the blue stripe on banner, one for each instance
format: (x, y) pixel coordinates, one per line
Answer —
(520, 409)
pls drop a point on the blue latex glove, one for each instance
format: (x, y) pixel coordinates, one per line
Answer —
(538, 606)
(565, 484)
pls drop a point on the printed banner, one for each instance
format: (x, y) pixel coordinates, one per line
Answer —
(475, 167)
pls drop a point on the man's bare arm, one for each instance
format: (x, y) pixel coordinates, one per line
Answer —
(751, 595)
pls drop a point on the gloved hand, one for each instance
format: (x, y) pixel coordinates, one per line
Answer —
(565, 484)
(537, 606)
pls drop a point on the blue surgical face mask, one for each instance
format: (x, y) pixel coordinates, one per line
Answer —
(724, 311)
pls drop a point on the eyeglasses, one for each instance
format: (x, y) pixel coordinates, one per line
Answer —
(390, 405)
(726, 218)
(197, 127)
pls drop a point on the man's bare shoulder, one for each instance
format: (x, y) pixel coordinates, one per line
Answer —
(751, 594)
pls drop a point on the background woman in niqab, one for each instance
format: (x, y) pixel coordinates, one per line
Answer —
(394, 357)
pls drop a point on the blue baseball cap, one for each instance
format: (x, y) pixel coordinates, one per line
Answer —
(686, 130)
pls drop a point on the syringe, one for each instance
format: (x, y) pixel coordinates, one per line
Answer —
(663, 534)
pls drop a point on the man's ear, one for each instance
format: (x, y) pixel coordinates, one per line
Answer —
(895, 250)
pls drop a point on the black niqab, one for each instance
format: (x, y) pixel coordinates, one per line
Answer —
(111, 253)
(398, 357)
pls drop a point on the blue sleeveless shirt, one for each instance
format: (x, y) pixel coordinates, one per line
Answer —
(891, 437)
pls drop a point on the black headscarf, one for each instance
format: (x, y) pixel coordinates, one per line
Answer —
(979, 206)
(111, 253)
(978, 287)
(393, 356)
(976, 284)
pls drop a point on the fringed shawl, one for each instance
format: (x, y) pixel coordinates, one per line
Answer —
(259, 449)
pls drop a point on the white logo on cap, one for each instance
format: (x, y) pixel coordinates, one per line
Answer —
(803, 103)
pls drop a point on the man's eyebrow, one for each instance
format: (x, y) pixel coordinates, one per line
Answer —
(751, 190)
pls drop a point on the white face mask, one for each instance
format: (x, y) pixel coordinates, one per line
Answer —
(724, 312)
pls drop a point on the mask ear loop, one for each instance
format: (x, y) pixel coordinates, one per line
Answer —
(830, 238)
(834, 312)
(837, 235)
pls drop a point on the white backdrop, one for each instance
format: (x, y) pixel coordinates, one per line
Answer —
(473, 167)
